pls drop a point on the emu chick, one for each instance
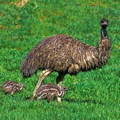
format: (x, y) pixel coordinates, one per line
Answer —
(50, 91)
(11, 87)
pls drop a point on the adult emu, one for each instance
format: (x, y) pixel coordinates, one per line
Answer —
(64, 54)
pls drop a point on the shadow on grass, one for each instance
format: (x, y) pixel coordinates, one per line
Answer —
(83, 101)
(77, 101)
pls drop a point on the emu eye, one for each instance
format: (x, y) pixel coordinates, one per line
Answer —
(102, 21)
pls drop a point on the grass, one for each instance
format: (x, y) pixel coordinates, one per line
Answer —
(93, 95)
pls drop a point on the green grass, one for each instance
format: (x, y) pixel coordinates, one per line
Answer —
(93, 95)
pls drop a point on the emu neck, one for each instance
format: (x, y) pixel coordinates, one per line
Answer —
(104, 46)
(104, 33)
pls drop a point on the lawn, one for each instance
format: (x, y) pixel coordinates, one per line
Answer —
(93, 95)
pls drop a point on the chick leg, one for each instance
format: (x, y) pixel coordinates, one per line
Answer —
(43, 75)
(50, 97)
(13, 91)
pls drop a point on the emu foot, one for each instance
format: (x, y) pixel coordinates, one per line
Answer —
(59, 100)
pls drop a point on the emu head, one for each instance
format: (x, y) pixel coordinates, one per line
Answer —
(104, 23)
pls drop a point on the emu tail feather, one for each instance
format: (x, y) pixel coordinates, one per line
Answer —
(29, 66)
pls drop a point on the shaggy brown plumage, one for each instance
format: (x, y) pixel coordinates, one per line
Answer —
(64, 54)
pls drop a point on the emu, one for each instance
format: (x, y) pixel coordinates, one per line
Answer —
(50, 91)
(12, 87)
(64, 54)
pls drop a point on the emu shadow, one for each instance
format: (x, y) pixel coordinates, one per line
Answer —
(83, 101)
(77, 101)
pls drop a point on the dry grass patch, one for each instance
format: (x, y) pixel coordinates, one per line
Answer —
(21, 3)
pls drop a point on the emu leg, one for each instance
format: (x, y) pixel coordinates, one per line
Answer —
(59, 100)
(50, 97)
(43, 75)
(59, 83)
(12, 92)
